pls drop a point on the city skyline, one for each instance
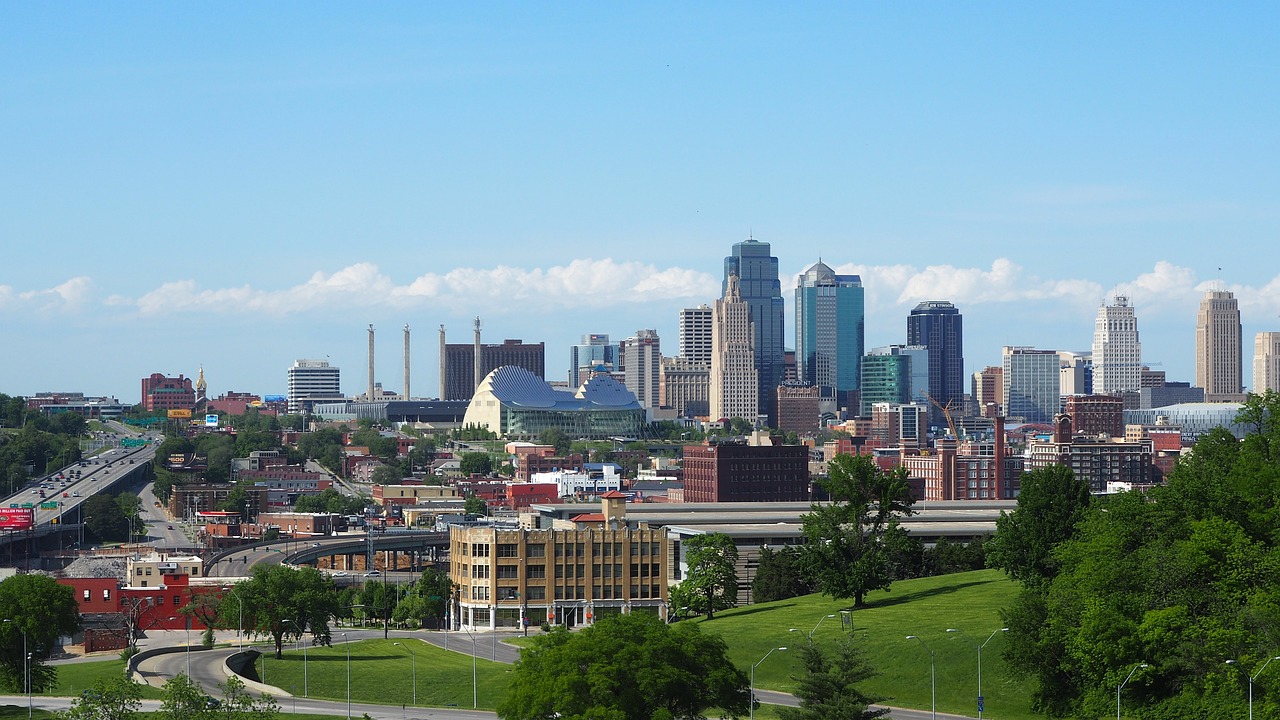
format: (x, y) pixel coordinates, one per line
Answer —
(246, 186)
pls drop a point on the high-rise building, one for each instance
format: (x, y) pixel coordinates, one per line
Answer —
(939, 326)
(756, 273)
(464, 365)
(829, 329)
(735, 381)
(1266, 362)
(1030, 383)
(641, 360)
(695, 335)
(685, 387)
(1218, 352)
(894, 374)
(988, 390)
(594, 352)
(1117, 353)
(311, 382)
(160, 393)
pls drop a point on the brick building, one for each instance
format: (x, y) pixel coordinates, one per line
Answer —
(166, 393)
(729, 472)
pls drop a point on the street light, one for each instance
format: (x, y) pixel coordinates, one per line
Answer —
(26, 668)
(753, 679)
(933, 682)
(475, 702)
(1252, 678)
(348, 645)
(240, 627)
(414, 664)
(979, 647)
(188, 644)
(1126, 682)
(815, 627)
(301, 630)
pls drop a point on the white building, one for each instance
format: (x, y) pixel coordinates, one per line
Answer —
(573, 484)
(1218, 351)
(642, 367)
(695, 335)
(313, 381)
(1031, 383)
(734, 391)
(1266, 362)
(1117, 353)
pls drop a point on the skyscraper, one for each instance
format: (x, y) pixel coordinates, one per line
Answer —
(641, 359)
(695, 335)
(1030, 383)
(756, 273)
(1218, 352)
(310, 382)
(829, 329)
(1266, 362)
(939, 326)
(595, 350)
(735, 382)
(894, 374)
(1117, 354)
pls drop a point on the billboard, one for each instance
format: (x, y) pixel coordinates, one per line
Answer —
(211, 420)
(16, 518)
(179, 414)
(275, 399)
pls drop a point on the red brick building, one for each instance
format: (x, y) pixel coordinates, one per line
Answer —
(166, 393)
(746, 473)
(1096, 414)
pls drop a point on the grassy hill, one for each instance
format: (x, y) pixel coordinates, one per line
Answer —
(927, 607)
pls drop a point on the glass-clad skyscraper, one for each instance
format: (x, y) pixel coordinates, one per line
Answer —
(758, 286)
(830, 317)
(939, 326)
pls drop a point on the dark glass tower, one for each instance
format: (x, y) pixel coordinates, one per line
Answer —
(757, 272)
(939, 326)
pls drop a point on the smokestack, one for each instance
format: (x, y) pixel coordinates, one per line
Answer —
(999, 431)
(477, 357)
(406, 362)
(443, 396)
(370, 396)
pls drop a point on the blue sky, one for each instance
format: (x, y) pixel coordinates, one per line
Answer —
(241, 185)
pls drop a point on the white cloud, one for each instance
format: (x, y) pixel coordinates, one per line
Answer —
(1004, 281)
(71, 295)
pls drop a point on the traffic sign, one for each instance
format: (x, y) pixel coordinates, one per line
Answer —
(980, 703)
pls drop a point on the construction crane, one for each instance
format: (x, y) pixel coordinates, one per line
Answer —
(946, 413)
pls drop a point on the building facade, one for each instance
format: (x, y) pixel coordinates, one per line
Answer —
(756, 271)
(595, 352)
(735, 379)
(939, 326)
(988, 390)
(799, 408)
(1103, 463)
(1095, 415)
(311, 382)
(1218, 351)
(461, 371)
(1031, 383)
(640, 357)
(1266, 362)
(894, 374)
(731, 472)
(1117, 353)
(685, 387)
(160, 393)
(830, 319)
(516, 404)
(695, 335)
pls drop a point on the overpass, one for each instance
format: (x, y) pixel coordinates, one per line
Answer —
(401, 549)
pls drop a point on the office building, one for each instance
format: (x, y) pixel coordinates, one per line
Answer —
(1117, 353)
(1266, 362)
(939, 327)
(695, 335)
(311, 382)
(685, 387)
(829, 330)
(735, 381)
(899, 425)
(1107, 464)
(733, 472)
(464, 365)
(988, 390)
(595, 354)
(1095, 415)
(894, 374)
(160, 393)
(756, 273)
(640, 357)
(1218, 351)
(1030, 383)
(799, 408)
(1075, 373)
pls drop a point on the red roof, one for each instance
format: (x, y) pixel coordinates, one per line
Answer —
(614, 495)
(587, 517)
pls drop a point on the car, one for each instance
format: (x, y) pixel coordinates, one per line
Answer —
(170, 527)
(373, 573)
(315, 544)
(340, 573)
(75, 493)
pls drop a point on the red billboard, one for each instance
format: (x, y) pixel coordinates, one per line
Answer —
(16, 518)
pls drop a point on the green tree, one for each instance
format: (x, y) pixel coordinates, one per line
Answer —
(387, 475)
(379, 599)
(1052, 500)
(237, 500)
(740, 426)
(118, 698)
(475, 463)
(104, 518)
(630, 666)
(183, 699)
(475, 505)
(828, 689)
(844, 552)
(711, 583)
(38, 611)
(275, 593)
(779, 575)
(556, 438)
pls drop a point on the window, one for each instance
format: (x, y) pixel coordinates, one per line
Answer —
(559, 549)
(479, 571)
(479, 592)
(479, 549)
(536, 551)
(536, 571)
(537, 592)
(508, 572)
(159, 600)
(508, 550)
(177, 600)
(86, 595)
(106, 594)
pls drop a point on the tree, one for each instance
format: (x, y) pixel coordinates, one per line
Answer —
(475, 463)
(712, 581)
(630, 666)
(379, 599)
(117, 698)
(779, 575)
(43, 610)
(475, 505)
(828, 689)
(427, 600)
(387, 475)
(275, 593)
(104, 518)
(845, 551)
(1051, 502)
(184, 699)
(556, 438)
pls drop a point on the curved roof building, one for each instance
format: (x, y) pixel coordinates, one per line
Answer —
(515, 403)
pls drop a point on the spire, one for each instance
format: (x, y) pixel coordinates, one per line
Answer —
(201, 385)
(733, 292)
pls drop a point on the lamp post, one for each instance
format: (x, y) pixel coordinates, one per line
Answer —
(348, 645)
(301, 630)
(1126, 682)
(475, 702)
(933, 682)
(753, 679)
(240, 626)
(414, 664)
(188, 628)
(815, 627)
(979, 648)
(1252, 678)
(26, 668)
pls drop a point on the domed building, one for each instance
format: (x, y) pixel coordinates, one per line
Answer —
(516, 404)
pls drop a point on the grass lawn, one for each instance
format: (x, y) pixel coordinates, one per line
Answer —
(926, 607)
(382, 673)
(75, 678)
